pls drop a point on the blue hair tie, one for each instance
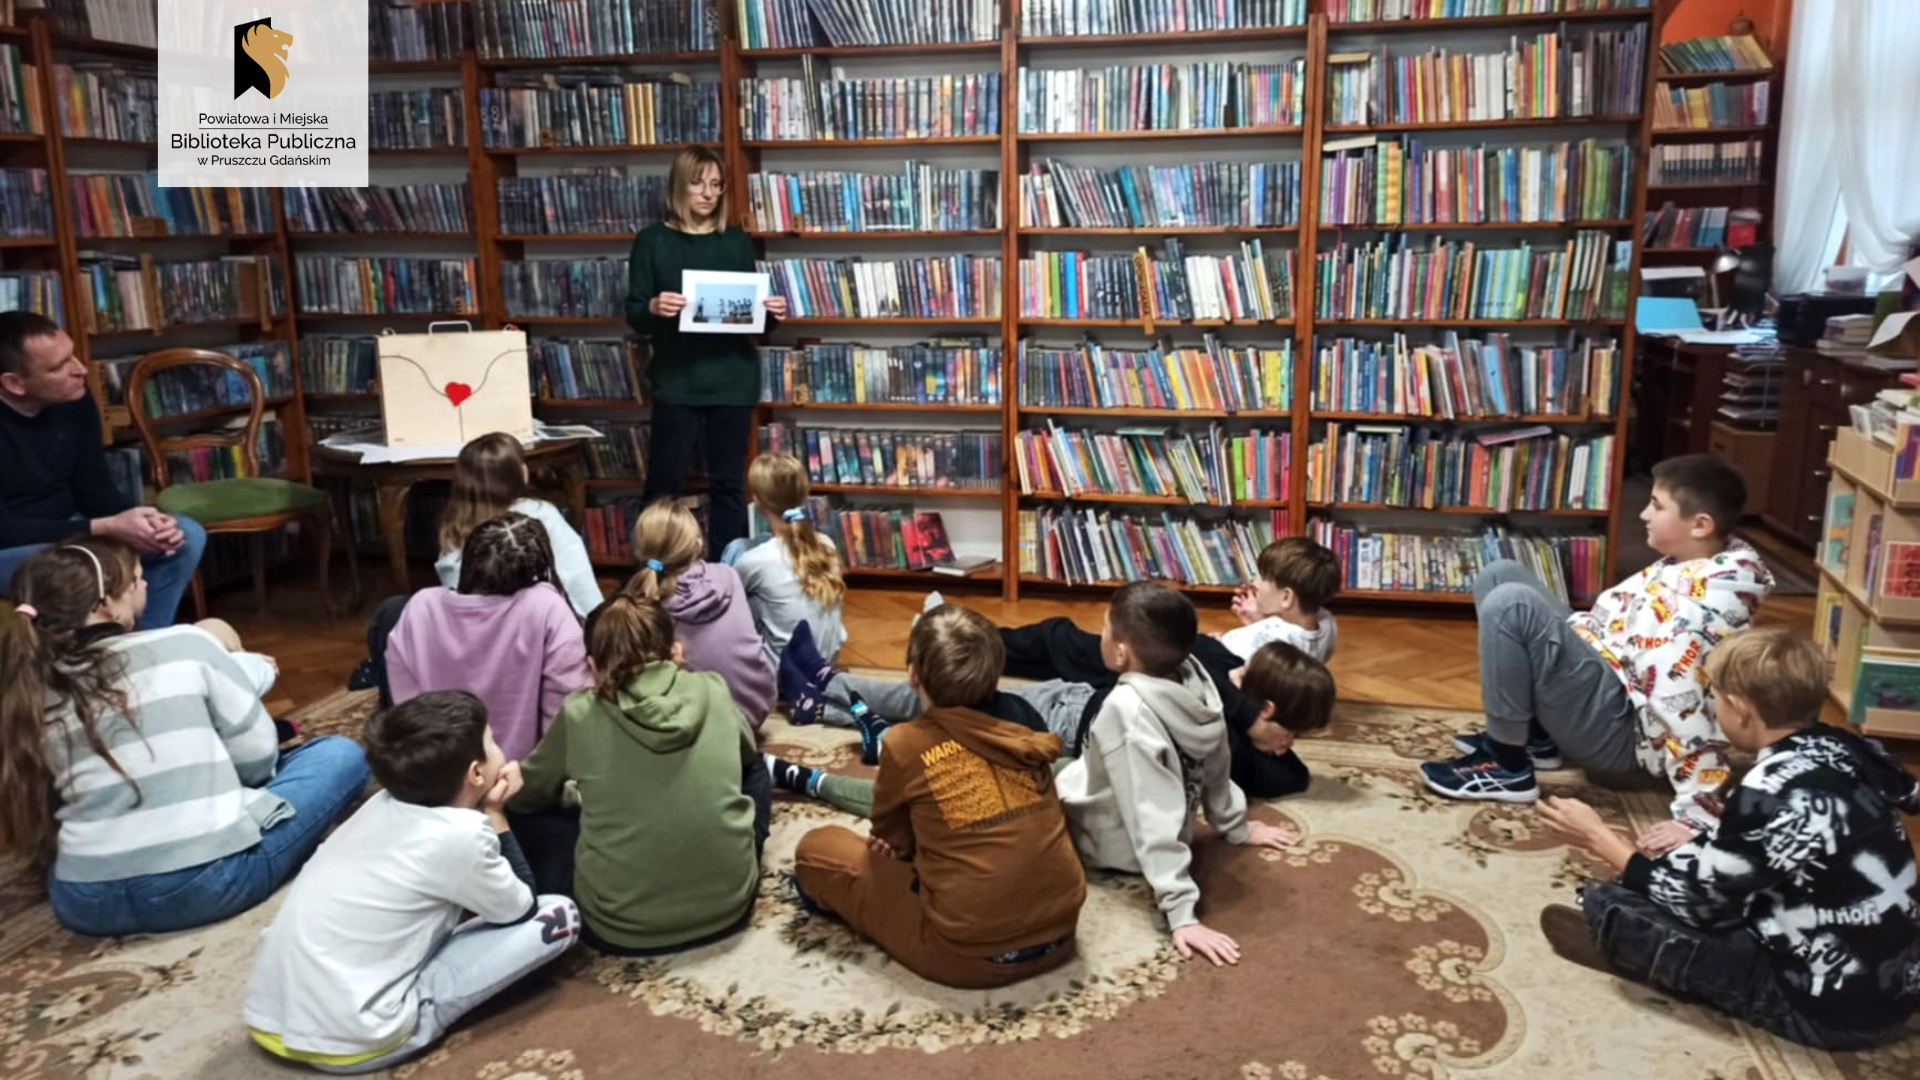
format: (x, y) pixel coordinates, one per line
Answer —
(795, 514)
(656, 566)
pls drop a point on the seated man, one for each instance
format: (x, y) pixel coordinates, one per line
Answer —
(53, 469)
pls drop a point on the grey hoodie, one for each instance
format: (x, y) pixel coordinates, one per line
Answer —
(1156, 751)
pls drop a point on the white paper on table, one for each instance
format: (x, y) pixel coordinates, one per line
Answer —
(1891, 326)
(723, 302)
(373, 449)
(1720, 337)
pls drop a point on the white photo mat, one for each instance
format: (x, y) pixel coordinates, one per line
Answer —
(723, 302)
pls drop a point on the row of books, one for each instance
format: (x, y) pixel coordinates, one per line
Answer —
(564, 28)
(621, 451)
(1213, 377)
(1707, 163)
(32, 290)
(1347, 11)
(597, 108)
(126, 296)
(107, 101)
(1074, 18)
(1257, 194)
(564, 288)
(870, 457)
(794, 24)
(1572, 566)
(1210, 467)
(200, 464)
(917, 198)
(130, 22)
(338, 364)
(1161, 97)
(1467, 378)
(884, 538)
(600, 199)
(134, 204)
(913, 107)
(1504, 470)
(401, 30)
(20, 109)
(445, 208)
(416, 119)
(26, 202)
(1728, 52)
(1584, 278)
(1555, 74)
(1255, 285)
(1388, 181)
(202, 386)
(950, 286)
(350, 285)
(1684, 227)
(1080, 545)
(959, 371)
(1716, 105)
(585, 369)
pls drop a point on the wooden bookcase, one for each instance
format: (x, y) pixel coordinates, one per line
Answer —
(1009, 151)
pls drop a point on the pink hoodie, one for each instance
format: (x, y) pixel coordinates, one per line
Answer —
(714, 626)
(521, 655)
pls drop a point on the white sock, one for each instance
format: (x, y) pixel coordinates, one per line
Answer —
(773, 767)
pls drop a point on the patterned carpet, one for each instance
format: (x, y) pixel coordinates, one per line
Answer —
(1399, 940)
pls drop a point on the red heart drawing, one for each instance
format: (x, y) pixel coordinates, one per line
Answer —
(458, 392)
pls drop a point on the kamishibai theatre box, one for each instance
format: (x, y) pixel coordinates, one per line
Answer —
(267, 94)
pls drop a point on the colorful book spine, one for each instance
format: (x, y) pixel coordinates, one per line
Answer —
(134, 204)
(414, 208)
(880, 458)
(557, 29)
(339, 364)
(332, 284)
(601, 201)
(917, 198)
(416, 119)
(32, 290)
(933, 373)
(1364, 180)
(26, 202)
(1572, 566)
(1708, 163)
(1152, 463)
(1581, 278)
(1716, 105)
(1467, 378)
(585, 369)
(1350, 11)
(399, 30)
(1211, 377)
(564, 288)
(111, 101)
(785, 24)
(1498, 471)
(1119, 17)
(1213, 96)
(952, 286)
(595, 108)
(1079, 545)
(1255, 285)
(958, 105)
(1265, 194)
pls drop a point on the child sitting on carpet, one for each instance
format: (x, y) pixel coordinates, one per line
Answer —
(490, 478)
(1797, 911)
(1618, 687)
(1287, 600)
(141, 766)
(367, 962)
(969, 878)
(664, 853)
(507, 635)
(793, 577)
(712, 619)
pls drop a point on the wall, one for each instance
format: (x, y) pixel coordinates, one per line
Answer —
(1708, 18)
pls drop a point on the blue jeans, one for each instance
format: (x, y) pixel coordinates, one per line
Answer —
(167, 575)
(320, 779)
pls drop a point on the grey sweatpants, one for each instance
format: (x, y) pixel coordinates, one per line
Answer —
(477, 962)
(1059, 703)
(1533, 667)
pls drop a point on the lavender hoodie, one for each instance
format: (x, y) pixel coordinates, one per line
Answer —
(521, 655)
(714, 625)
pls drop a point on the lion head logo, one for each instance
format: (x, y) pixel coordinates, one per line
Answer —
(260, 58)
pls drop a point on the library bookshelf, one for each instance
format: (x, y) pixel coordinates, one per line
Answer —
(1705, 189)
(1010, 152)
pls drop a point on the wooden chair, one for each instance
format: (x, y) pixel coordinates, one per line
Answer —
(250, 503)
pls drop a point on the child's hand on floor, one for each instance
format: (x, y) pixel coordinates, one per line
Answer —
(1212, 944)
(881, 848)
(1663, 838)
(1261, 834)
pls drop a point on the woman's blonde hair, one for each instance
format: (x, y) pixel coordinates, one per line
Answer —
(686, 171)
(666, 540)
(624, 635)
(778, 485)
(488, 478)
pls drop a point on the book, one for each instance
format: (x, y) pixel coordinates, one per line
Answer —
(21, 110)
(1715, 105)
(1727, 52)
(1693, 226)
(1558, 73)
(339, 364)
(124, 295)
(1214, 376)
(1420, 467)
(32, 290)
(1460, 378)
(26, 202)
(127, 22)
(1122, 17)
(564, 288)
(1345, 11)
(1572, 566)
(597, 200)
(589, 107)
(1365, 180)
(134, 204)
(1200, 467)
(1210, 96)
(951, 286)
(1708, 163)
(416, 119)
(948, 371)
(112, 100)
(347, 285)
(416, 208)
(841, 107)
(1255, 285)
(570, 28)
(881, 458)
(1265, 194)
(792, 24)
(586, 369)
(201, 387)
(1582, 277)
(402, 30)
(1080, 545)
(915, 198)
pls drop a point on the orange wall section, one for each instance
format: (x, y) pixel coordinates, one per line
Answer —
(1709, 18)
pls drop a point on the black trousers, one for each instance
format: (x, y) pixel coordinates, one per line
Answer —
(1057, 649)
(721, 436)
(379, 629)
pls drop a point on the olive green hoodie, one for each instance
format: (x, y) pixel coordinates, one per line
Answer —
(666, 852)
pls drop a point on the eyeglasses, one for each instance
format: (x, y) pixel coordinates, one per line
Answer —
(715, 186)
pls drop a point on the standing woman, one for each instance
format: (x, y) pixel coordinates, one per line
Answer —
(705, 386)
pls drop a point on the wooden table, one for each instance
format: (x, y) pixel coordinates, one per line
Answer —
(394, 481)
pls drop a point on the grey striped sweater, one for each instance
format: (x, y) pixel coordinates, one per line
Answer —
(199, 753)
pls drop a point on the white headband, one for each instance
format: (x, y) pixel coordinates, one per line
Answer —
(99, 571)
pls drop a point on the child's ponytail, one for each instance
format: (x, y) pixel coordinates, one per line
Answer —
(778, 485)
(666, 540)
(26, 820)
(624, 635)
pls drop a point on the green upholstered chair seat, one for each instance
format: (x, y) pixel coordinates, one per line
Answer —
(237, 499)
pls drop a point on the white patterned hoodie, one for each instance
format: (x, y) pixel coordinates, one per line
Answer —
(1655, 629)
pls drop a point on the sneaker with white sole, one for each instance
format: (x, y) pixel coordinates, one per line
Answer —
(1480, 777)
(1543, 752)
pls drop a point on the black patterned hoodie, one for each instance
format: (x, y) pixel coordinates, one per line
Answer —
(1810, 856)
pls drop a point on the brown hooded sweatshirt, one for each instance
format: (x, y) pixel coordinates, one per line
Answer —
(968, 798)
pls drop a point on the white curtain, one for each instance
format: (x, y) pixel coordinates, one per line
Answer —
(1850, 142)
(1808, 223)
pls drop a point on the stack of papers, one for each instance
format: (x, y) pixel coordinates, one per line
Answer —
(371, 443)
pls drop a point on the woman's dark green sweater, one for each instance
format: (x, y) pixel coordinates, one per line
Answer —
(691, 369)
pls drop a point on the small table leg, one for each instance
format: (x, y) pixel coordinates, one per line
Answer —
(392, 498)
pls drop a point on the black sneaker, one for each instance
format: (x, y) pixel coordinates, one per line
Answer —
(1480, 777)
(1542, 751)
(363, 677)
